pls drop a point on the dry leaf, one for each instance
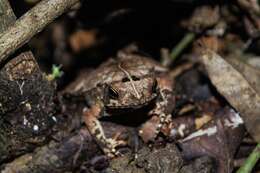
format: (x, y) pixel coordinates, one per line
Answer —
(236, 89)
(218, 139)
(251, 73)
(83, 39)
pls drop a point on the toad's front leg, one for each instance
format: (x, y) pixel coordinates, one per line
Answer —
(108, 145)
(161, 113)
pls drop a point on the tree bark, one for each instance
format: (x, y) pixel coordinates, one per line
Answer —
(7, 16)
(26, 99)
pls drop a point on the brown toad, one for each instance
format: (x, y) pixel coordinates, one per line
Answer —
(127, 82)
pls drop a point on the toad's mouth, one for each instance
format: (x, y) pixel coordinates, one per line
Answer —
(137, 105)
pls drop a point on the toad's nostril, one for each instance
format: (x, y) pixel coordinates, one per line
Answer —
(134, 78)
(125, 79)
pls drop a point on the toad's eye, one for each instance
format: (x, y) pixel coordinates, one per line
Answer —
(113, 94)
(154, 87)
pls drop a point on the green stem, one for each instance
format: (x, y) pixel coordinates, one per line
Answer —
(250, 161)
(186, 40)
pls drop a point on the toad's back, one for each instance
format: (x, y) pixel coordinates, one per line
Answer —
(109, 71)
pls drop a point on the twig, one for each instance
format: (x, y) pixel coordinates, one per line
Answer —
(30, 24)
(250, 161)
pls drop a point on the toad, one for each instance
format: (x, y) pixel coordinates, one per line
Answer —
(129, 81)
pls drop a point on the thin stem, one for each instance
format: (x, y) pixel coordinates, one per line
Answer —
(186, 40)
(250, 161)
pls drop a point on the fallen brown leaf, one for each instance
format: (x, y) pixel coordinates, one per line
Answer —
(236, 88)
